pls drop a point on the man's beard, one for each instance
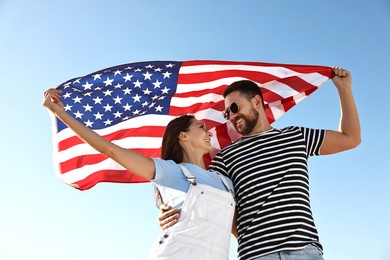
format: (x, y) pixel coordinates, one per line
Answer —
(250, 122)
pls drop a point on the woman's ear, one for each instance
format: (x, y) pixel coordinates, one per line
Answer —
(182, 136)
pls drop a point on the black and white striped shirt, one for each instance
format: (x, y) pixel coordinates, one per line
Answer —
(270, 176)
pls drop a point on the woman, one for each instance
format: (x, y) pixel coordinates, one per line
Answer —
(205, 198)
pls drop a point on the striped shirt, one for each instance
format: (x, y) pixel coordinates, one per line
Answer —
(270, 176)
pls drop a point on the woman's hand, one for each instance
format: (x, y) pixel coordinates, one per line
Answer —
(52, 100)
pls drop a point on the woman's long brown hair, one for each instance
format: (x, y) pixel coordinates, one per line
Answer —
(171, 148)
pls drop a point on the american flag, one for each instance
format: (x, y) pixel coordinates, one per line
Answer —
(131, 104)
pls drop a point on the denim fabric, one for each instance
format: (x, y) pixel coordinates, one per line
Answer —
(310, 252)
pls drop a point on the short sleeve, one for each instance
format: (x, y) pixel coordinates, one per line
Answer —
(314, 139)
(218, 164)
(168, 173)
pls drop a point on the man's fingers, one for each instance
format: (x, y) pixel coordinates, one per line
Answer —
(168, 216)
(164, 207)
(165, 214)
(340, 71)
(170, 221)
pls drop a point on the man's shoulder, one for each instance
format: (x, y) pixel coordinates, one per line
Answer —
(248, 139)
(291, 128)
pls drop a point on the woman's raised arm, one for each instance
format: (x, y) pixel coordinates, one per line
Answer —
(134, 162)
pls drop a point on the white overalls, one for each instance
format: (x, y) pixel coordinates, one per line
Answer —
(204, 228)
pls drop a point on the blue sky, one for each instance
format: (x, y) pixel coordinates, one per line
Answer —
(44, 43)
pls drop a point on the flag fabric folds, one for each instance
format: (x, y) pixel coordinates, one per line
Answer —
(131, 104)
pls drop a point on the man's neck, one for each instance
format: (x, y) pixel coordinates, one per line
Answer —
(259, 129)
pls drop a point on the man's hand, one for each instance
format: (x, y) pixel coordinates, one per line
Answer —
(168, 216)
(342, 78)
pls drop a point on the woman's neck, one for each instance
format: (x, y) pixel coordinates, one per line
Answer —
(197, 160)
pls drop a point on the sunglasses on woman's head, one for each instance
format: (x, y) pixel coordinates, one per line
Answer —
(233, 108)
(201, 125)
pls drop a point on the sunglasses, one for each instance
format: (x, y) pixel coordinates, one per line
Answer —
(201, 125)
(233, 108)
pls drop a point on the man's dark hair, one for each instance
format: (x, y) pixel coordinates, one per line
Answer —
(247, 88)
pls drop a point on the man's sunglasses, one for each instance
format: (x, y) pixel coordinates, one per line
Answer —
(233, 108)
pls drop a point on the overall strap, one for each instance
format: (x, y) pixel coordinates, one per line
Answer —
(223, 179)
(158, 199)
(190, 178)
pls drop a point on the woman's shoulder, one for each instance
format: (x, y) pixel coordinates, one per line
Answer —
(165, 163)
(165, 169)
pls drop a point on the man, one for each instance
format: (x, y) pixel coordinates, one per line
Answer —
(269, 171)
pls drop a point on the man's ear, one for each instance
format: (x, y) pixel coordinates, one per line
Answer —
(258, 102)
